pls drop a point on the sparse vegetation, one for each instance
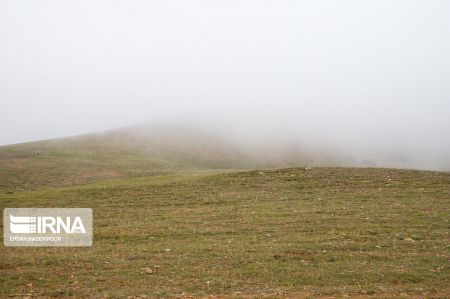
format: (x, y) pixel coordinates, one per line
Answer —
(289, 232)
(124, 153)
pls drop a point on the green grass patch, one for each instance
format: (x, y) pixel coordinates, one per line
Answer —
(290, 232)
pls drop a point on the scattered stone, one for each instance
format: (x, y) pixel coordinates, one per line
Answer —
(147, 270)
(409, 240)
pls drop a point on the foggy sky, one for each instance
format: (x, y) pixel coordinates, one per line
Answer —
(361, 75)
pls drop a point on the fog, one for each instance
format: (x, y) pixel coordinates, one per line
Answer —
(369, 79)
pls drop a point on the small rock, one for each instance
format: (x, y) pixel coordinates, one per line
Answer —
(147, 270)
(409, 240)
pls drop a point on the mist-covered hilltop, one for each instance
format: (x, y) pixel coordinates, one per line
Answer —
(150, 149)
(128, 152)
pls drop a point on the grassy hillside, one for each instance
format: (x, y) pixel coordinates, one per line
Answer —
(145, 150)
(291, 232)
(123, 153)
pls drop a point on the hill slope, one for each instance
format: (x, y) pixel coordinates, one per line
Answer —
(129, 152)
(291, 232)
(143, 150)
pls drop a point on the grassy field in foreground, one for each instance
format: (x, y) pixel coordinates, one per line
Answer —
(290, 232)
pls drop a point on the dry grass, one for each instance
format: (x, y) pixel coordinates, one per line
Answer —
(287, 233)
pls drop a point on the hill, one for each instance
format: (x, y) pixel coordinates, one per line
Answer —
(178, 213)
(122, 153)
(140, 151)
(282, 233)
